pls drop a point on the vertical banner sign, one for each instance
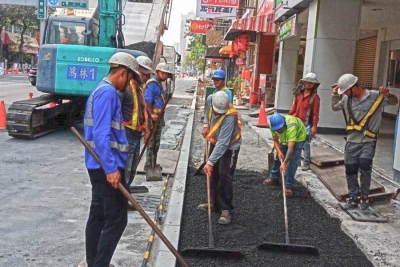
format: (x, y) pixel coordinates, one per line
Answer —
(200, 26)
(287, 29)
(41, 9)
(223, 3)
(209, 10)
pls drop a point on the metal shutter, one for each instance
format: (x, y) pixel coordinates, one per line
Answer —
(365, 60)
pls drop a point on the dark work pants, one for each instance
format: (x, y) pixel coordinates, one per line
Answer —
(358, 157)
(222, 179)
(107, 219)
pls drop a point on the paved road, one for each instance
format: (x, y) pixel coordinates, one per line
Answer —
(14, 89)
(45, 195)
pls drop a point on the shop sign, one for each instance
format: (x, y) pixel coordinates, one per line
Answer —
(213, 37)
(207, 11)
(199, 26)
(223, 3)
(288, 28)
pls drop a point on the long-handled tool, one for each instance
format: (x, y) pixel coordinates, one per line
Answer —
(198, 171)
(287, 247)
(211, 251)
(271, 156)
(144, 215)
(154, 171)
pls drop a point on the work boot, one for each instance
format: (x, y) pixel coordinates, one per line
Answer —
(225, 218)
(352, 203)
(288, 192)
(204, 206)
(271, 181)
(364, 202)
(305, 167)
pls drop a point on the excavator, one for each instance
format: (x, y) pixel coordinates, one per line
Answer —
(72, 60)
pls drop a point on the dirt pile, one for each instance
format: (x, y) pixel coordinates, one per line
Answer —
(147, 47)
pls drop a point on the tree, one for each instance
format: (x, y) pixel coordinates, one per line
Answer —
(27, 19)
(6, 18)
(197, 52)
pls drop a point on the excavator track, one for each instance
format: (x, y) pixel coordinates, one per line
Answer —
(38, 116)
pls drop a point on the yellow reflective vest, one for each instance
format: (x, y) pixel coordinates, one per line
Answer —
(214, 128)
(134, 123)
(362, 126)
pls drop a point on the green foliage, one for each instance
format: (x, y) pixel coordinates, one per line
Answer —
(235, 83)
(195, 57)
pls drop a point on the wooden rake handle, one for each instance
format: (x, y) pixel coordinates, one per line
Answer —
(135, 204)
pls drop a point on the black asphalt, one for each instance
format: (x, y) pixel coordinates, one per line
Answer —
(259, 218)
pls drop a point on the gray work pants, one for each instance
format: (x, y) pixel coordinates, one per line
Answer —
(358, 158)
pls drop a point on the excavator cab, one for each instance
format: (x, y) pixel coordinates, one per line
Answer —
(72, 31)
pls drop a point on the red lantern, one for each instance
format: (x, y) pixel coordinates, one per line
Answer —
(243, 41)
(235, 50)
(246, 74)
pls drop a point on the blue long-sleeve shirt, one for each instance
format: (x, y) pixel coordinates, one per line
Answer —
(153, 92)
(104, 130)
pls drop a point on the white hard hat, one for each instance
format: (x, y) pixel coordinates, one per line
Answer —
(345, 82)
(163, 67)
(220, 102)
(145, 63)
(310, 77)
(124, 59)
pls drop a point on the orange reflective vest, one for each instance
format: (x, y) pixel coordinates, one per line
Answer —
(155, 110)
(134, 123)
(362, 125)
(214, 128)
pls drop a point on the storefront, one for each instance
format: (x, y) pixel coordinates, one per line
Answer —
(258, 58)
(11, 43)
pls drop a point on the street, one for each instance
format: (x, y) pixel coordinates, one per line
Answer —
(14, 88)
(45, 195)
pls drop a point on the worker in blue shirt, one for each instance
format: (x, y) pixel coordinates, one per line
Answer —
(155, 98)
(104, 132)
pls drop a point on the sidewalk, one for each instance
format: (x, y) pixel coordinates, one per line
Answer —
(379, 241)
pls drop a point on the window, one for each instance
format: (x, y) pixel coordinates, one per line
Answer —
(394, 69)
(61, 32)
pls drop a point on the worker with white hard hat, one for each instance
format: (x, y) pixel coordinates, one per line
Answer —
(363, 114)
(225, 139)
(155, 98)
(105, 133)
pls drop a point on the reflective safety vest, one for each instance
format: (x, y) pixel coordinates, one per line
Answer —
(156, 110)
(115, 125)
(134, 123)
(214, 128)
(362, 126)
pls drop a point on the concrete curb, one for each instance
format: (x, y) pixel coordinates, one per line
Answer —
(172, 225)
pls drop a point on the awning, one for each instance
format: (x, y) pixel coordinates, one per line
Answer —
(4, 38)
(252, 25)
(225, 50)
(213, 52)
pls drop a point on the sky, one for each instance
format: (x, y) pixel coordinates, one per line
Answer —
(179, 7)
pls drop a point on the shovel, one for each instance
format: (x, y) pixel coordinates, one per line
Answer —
(198, 171)
(271, 156)
(211, 251)
(287, 247)
(153, 171)
(144, 215)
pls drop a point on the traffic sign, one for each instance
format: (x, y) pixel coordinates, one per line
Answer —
(75, 4)
(41, 9)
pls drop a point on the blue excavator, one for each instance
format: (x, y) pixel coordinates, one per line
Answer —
(72, 60)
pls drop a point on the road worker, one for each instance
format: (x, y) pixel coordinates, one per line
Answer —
(306, 107)
(225, 140)
(363, 114)
(105, 133)
(155, 98)
(289, 135)
(135, 121)
(219, 83)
